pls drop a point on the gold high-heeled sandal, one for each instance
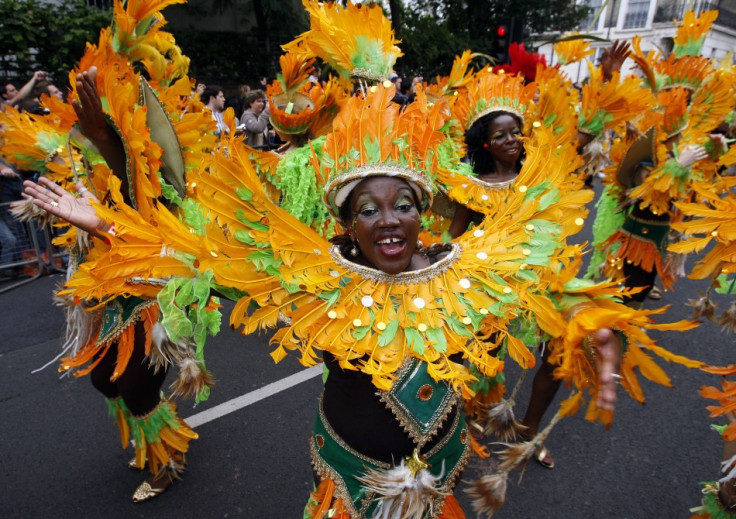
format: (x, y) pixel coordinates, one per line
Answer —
(154, 487)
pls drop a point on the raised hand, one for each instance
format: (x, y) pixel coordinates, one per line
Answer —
(93, 125)
(89, 109)
(613, 57)
(77, 210)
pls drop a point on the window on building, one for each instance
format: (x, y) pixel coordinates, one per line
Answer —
(595, 6)
(610, 17)
(636, 14)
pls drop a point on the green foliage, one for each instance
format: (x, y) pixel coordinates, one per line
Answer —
(223, 57)
(231, 58)
(40, 35)
(435, 31)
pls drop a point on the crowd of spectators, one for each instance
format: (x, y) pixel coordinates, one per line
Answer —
(14, 239)
(250, 106)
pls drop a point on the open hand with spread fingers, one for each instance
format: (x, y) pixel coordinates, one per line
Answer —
(613, 57)
(77, 210)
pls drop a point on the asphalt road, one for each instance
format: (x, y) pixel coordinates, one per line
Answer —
(60, 453)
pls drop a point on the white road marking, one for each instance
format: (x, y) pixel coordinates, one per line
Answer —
(247, 399)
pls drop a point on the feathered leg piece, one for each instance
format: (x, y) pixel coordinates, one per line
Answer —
(161, 437)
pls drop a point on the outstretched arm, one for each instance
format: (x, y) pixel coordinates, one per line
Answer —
(607, 363)
(25, 90)
(460, 221)
(77, 210)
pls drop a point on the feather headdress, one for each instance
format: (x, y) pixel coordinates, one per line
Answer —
(459, 76)
(491, 92)
(136, 33)
(659, 73)
(572, 48)
(356, 40)
(610, 104)
(299, 107)
(691, 33)
(372, 137)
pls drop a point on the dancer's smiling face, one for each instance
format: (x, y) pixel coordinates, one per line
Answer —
(504, 136)
(385, 223)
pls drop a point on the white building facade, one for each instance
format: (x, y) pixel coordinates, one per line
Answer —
(653, 21)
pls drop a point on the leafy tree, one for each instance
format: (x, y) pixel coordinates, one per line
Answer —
(36, 34)
(229, 58)
(434, 31)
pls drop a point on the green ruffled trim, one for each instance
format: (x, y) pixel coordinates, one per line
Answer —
(608, 220)
(150, 427)
(297, 181)
(711, 504)
(184, 308)
(114, 405)
(448, 158)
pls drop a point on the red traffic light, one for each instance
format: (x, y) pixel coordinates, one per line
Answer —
(500, 31)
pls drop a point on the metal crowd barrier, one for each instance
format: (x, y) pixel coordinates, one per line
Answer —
(26, 252)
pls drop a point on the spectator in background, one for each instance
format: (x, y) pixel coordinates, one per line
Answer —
(315, 74)
(199, 90)
(243, 90)
(13, 97)
(399, 97)
(255, 119)
(9, 92)
(32, 103)
(213, 98)
(9, 230)
(412, 92)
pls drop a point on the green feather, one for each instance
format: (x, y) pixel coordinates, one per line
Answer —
(608, 220)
